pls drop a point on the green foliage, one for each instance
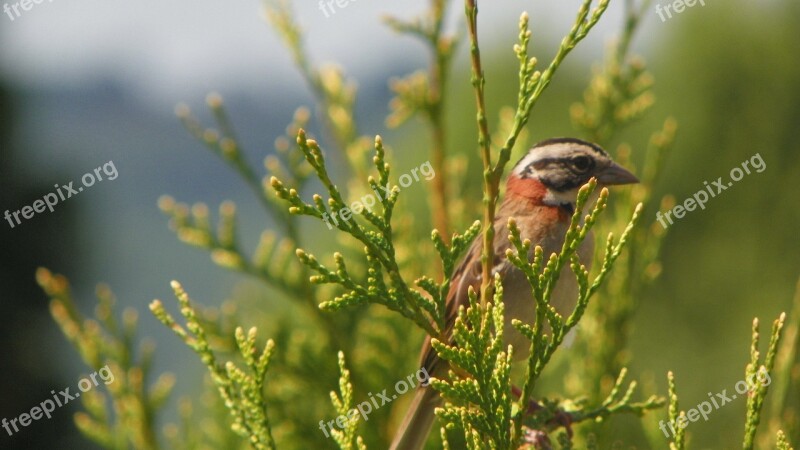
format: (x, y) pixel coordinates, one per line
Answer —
(242, 392)
(782, 443)
(532, 84)
(543, 283)
(423, 94)
(616, 404)
(346, 438)
(782, 417)
(379, 248)
(300, 351)
(360, 302)
(105, 341)
(619, 94)
(756, 391)
(479, 404)
(621, 91)
(675, 416)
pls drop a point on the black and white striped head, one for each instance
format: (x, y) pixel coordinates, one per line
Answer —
(563, 165)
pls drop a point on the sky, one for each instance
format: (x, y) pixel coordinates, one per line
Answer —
(171, 50)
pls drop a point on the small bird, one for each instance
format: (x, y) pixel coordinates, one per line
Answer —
(541, 192)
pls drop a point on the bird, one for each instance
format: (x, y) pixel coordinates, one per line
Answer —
(541, 192)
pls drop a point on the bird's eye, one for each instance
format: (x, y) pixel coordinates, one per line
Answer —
(581, 163)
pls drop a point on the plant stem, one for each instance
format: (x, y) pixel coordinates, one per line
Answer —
(491, 181)
(439, 71)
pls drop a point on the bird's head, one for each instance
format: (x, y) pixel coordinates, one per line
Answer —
(553, 171)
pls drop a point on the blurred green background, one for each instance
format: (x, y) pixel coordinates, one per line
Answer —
(728, 72)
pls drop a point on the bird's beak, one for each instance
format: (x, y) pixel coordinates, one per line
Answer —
(616, 174)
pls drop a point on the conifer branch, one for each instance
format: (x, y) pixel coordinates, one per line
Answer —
(241, 389)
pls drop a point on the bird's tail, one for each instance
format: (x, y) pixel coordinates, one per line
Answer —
(417, 423)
